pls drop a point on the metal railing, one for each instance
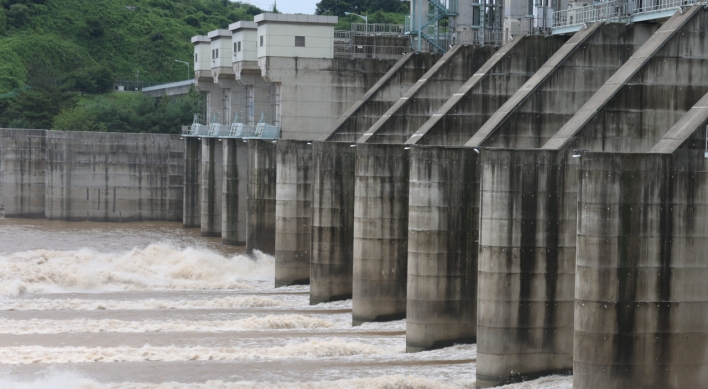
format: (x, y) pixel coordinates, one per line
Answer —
(369, 51)
(342, 36)
(616, 11)
(377, 29)
(609, 11)
(481, 37)
(232, 130)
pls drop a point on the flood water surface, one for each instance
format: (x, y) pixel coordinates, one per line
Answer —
(152, 305)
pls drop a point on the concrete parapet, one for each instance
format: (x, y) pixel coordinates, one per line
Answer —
(387, 89)
(114, 176)
(468, 108)
(380, 233)
(22, 180)
(261, 196)
(442, 249)
(191, 212)
(293, 213)
(658, 84)
(212, 186)
(332, 221)
(562, 85)
(426, 96)
(640, 309)
(234, 202)
(526, 266)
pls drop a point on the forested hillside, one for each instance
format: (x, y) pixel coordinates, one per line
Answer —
(59, 59)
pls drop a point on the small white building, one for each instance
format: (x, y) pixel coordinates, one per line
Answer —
(244, 37)
(221, 49)
(302, 36)
(202, 48)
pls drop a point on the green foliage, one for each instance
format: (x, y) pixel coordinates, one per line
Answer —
(63, 36)
(339, 7)
(33, 108)
(94, 80)
(129, 112)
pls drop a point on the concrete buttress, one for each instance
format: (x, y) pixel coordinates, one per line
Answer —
(211, 189)
(234, 202)
(442, 247)
(380, 233)
(293, 213)
(261, 196)
(332, 221)
(191, 213)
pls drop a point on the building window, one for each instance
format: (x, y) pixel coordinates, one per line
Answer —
(239, 46)
(529, 11)
(261, 40)
(215, 54)
(196, 58)
(299, 41)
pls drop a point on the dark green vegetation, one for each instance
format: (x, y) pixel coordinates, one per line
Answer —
(377, 11)
(56, 54)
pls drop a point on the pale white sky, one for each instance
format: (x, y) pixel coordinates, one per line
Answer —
(288, 6)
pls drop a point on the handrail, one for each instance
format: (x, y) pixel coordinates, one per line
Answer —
(614, 11)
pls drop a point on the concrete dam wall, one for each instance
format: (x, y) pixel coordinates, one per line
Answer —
(92, 176)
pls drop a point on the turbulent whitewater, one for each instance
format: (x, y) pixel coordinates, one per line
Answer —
(155, 306)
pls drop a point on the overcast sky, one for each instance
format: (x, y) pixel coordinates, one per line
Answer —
(288, 6)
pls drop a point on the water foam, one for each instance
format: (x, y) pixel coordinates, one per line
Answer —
(253, 323)
(157, 267)
(42, 304)
(309, 349)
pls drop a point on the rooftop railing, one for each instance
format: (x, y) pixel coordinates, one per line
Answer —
(616, 11)
(481, 37)
(199, 128)
(377, 29)
(369, 51)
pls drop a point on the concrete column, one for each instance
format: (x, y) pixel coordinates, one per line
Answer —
(293, 213)
(526, 266)
(641, 296)
(261, 196)
(211, 190)
(23, 175)
(380, 233)
(192, 160)
(442, 249)
(332, 222)
(235, 186)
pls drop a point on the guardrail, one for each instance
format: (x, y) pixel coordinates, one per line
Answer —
(232, 130)
(617, 11)
(481, 37)
(369, 51)
(377, 29)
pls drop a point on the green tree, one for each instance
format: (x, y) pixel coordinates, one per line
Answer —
(3, 21)
(19, 14)
(34, 108)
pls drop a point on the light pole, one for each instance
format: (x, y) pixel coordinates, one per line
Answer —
(366, 18)
(186, 63)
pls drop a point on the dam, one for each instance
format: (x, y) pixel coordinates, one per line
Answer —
(527, 183)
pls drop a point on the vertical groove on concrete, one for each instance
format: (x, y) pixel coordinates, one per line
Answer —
(211, 190)
(234, 201)
(23, 178)
(486, 90)
(293, 213)
(380, 233)
(442, 248)
(191, 213)
(261, 197)
(332, 222)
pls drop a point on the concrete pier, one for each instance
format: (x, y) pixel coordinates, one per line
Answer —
(234, 202)
(113, 177)
(261, 196)
(212, 186)
(640, 301)
(191, 211)
(332, 222)
(293, 213)
(442, 249)
(526, 266)
(380, 233)
(23, 176)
